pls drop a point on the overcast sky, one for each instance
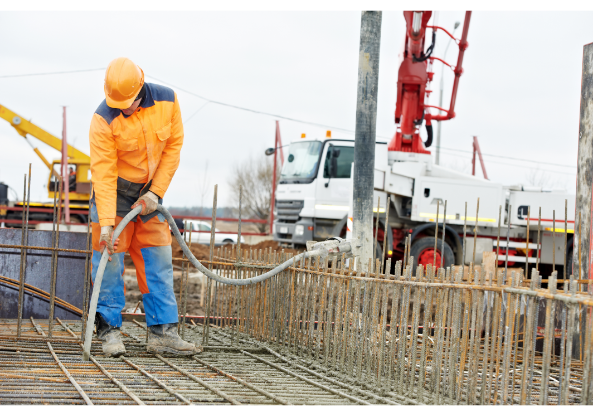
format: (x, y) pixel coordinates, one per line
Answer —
(519, 92)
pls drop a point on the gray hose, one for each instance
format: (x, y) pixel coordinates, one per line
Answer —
(235, 282)
(322, 252)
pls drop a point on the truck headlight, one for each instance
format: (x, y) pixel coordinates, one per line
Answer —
(299, 230)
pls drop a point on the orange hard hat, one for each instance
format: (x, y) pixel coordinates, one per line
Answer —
(123, 81)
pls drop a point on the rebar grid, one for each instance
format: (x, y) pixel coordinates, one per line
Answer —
(242, 374)
(322, 333)
(423, 337)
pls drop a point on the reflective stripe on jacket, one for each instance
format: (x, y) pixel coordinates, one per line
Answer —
(138, 148)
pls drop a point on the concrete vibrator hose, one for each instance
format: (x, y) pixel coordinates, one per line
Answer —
(322, 249)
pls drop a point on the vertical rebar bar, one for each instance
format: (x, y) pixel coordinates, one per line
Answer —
(566, 272)
(186, 285)
(506, 257)
(406, 251)
(497, 241)
(443, 238)
(548, 340)
(554, 240)
(463, 249)
(54, 271)
(527, 244)
(183, 264)
(376, 229)
(381, 339)
(569, 339)
(87, 269)
(509, 329)
(22, 266)
(205, 329)
(385, 233)
(539, 227)
(527, 369)
(471, 274)
(436, 235)
(348, 322)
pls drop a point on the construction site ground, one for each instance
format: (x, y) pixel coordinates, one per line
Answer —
(229, 371)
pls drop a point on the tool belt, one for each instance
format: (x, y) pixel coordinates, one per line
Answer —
(128, 193)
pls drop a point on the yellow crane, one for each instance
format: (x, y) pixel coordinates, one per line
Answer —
(80, 186)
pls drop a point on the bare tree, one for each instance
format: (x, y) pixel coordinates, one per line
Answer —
(255, 176)
(204, 187)
(543, 179)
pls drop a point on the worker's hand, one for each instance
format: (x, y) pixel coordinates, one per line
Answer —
(149, 202)
(105, 240)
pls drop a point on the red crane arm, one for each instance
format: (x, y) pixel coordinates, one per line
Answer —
(458, 71)
(414, 76)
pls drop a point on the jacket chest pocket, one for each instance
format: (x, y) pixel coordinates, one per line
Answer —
(126, 145)
(127, 150)
(164, 133)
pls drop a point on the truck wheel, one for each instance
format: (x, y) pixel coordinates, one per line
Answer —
(423, 252)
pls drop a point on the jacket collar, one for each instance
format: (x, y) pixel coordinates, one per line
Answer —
(147, 102)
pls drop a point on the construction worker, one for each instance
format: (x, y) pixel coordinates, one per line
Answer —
(71, 180)
(136, 136)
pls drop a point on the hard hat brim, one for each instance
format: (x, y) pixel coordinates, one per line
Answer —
(122, 105)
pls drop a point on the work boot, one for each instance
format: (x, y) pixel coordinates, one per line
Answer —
(109, 335)
(164, 338)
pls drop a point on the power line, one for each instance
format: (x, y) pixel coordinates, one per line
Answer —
(512, 158)
(197, 111)
(195, 95)
(51, 73)
(256, 111)
(517, 165)
(289, 118)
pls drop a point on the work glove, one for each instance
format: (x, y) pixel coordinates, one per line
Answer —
(105, 240)
(149, 202)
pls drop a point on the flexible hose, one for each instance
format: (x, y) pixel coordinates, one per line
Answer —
(428, 141)
(234, 282)
(321, 252)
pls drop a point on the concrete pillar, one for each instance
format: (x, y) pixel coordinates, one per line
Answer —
(364, 142)
(584, 173)
(582, 235)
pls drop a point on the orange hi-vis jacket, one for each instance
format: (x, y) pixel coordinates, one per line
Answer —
(138, 148)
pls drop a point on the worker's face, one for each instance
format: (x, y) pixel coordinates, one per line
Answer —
(130, 110)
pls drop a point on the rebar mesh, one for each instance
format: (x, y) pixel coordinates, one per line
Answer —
(322, 333)
(436, 338)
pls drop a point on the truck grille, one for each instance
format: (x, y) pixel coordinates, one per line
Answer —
(289, 211)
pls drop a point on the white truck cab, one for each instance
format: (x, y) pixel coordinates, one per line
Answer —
(313, 195)
(315, 189)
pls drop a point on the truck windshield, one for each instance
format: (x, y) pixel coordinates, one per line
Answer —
(302, 163)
